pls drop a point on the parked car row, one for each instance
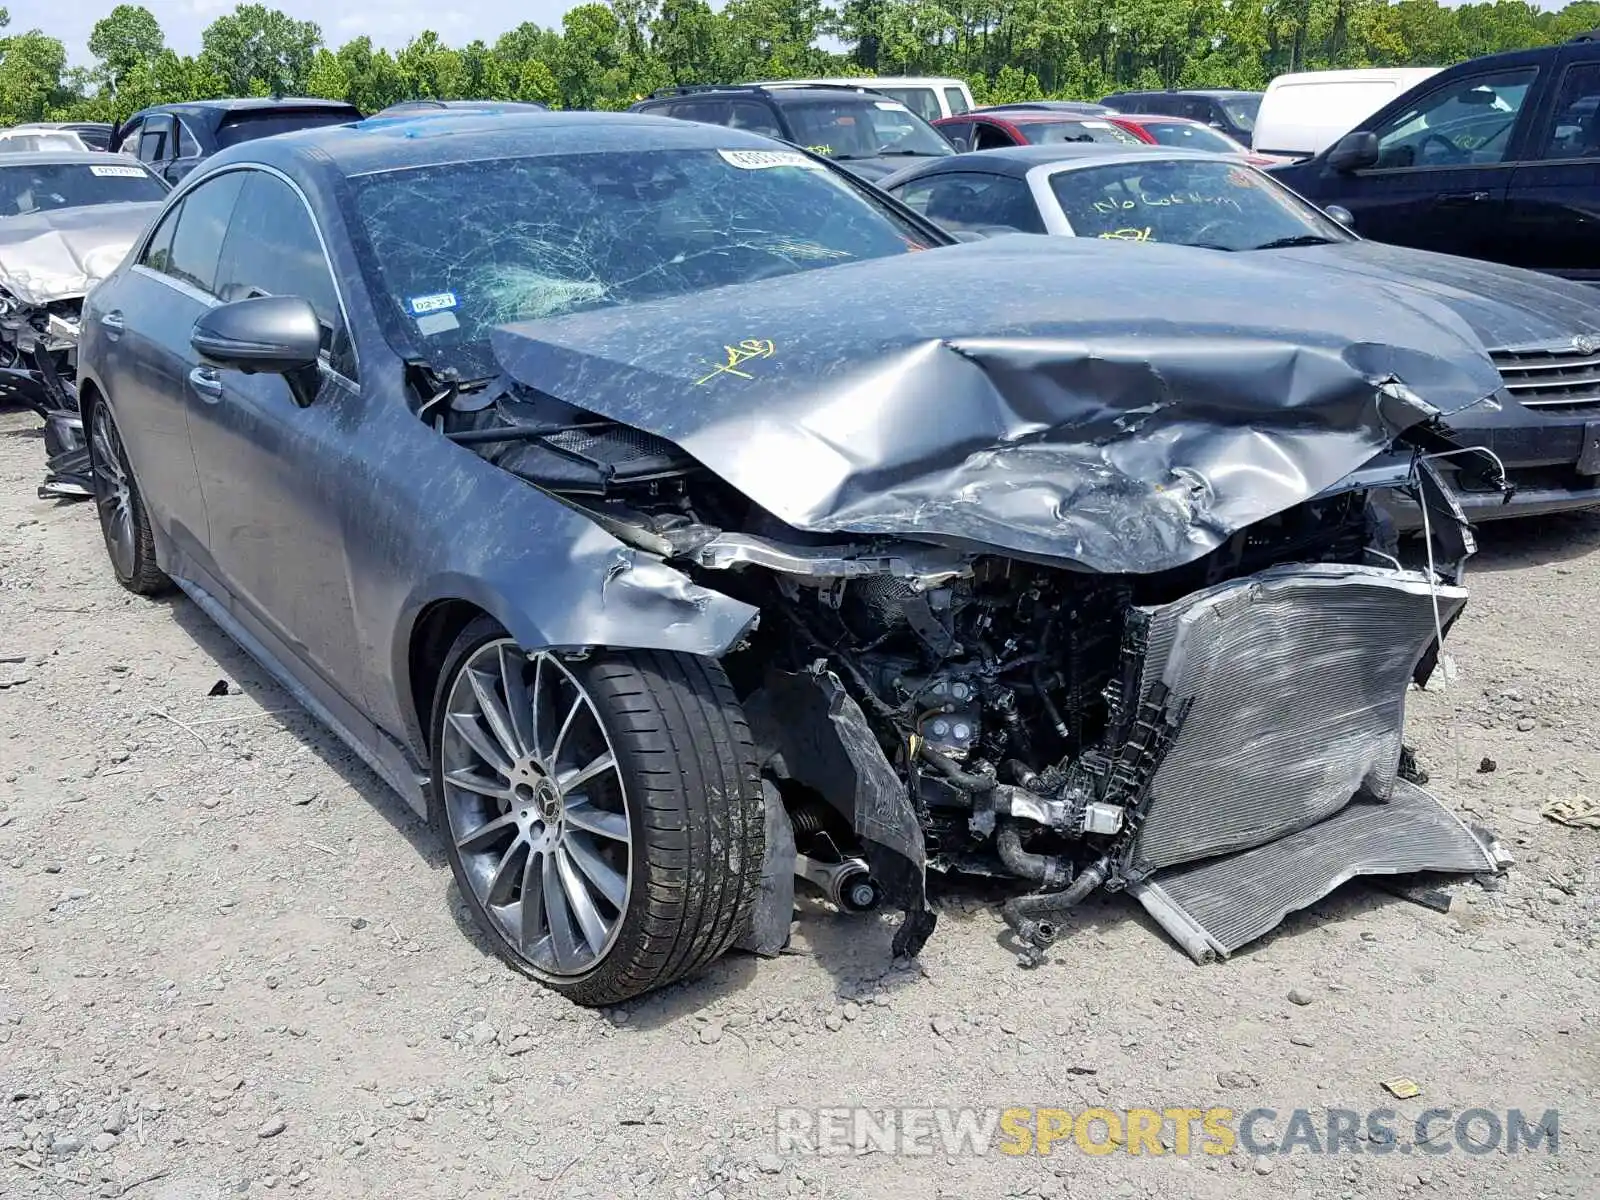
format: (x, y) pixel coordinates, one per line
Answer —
(678, 504)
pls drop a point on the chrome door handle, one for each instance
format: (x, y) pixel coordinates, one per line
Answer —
(112, 323)
(207, 383)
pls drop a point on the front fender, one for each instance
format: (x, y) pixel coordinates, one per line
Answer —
(603, 594)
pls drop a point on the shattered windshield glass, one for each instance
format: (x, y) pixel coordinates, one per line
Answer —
(461, 248)
(1189, 202)
(41, 186)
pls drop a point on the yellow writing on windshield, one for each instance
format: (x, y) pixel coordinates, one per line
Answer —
(1128, 235)
(823, 149)
(734, 357)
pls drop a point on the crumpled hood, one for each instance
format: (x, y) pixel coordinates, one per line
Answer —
(1506, 306)
(61, 253)
(1057, 398)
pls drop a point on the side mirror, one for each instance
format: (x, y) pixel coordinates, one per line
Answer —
(1354, 152)
(271, 335)
(1342, 215)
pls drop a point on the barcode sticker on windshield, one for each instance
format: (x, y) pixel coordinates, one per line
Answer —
(437, 302)
(117, 172)
(756, 160)
(437, 322)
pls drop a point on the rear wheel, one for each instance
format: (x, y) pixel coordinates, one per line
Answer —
(603, 818)
(123, 521)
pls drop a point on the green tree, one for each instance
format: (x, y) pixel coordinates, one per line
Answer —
(126, 41)
(327, 78)
(31, 77)
(588, 67)
(259, 50)
(430, 70)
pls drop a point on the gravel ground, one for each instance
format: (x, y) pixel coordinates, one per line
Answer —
(231, 962)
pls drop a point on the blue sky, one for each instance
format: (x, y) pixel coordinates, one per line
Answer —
(389, 23)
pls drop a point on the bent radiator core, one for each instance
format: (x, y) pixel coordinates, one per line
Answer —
(1296, 680)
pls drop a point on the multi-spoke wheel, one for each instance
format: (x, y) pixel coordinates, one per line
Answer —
(603, 817)
(129, 542)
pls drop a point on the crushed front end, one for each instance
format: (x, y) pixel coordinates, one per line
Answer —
(1223, 739)
(38, 369)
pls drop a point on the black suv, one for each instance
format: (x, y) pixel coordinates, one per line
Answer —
(865, 132)
(1234, 113)
(1497, 158)
(173, 138)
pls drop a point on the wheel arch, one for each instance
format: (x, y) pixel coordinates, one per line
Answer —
(630, 602)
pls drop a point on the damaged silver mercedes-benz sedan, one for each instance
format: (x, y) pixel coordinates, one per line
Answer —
(670, 518)
(66, 220)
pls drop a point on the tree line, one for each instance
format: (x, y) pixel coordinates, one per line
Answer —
(605, 55)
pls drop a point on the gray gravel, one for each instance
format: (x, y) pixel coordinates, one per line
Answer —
(231, 963)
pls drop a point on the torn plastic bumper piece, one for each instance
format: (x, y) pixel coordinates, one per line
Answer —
(1214, 907)
(826, 744)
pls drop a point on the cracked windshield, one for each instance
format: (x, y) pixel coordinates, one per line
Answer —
(1213, 204)
(464, 247)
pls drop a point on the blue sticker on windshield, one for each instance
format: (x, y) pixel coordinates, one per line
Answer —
(437, 302)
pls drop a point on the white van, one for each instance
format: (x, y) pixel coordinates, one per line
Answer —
(1302, 114)
(928, 96)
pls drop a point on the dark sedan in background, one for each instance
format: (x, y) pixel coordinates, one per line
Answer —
(1543, 333)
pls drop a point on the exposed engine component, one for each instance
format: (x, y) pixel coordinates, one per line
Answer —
(846, 883)
(38, 369)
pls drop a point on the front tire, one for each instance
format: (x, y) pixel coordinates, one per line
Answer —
(603, 817)
(124, 523)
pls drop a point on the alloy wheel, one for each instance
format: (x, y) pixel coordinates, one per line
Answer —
(112, 494)
(537, 807)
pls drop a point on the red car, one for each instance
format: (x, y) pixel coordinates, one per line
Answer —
(1183, 134)
(980, 130)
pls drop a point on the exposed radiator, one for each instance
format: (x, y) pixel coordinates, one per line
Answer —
(1298, 679)
(1212, 908)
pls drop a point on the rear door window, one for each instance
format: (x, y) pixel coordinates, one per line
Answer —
(154, 139)
(1575, 130)
(957, 100)
(754, 116)
(923, 101)
(202, 225)
(959, 133)
(991, 137)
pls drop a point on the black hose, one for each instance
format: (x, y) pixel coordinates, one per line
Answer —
(1044, 869)
(961, 780)
(1033, 917)
(1050, 709)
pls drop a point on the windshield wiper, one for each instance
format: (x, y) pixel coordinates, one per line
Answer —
(1299, 239)
(885, 152)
